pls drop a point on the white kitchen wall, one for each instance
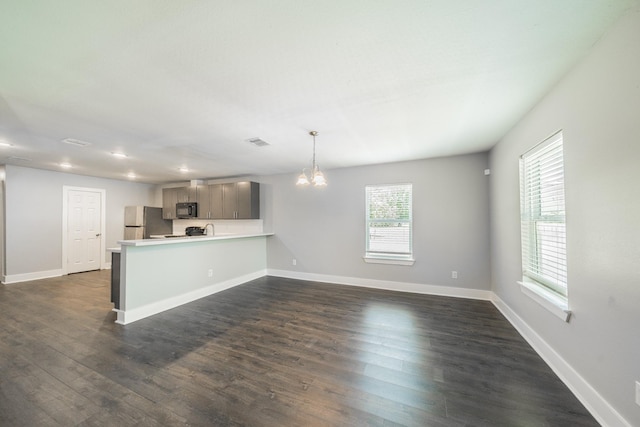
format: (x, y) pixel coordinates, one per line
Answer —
(221, 226)
(324, 229)
(33, 215)
(598, 107)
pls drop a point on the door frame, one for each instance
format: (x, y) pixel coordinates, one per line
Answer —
(65, 220)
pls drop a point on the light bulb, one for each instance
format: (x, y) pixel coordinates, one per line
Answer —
(319, 179)
(302, 179)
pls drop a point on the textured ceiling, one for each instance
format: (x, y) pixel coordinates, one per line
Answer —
(186, 83)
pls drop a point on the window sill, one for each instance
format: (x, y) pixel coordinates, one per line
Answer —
(547, 299)
(371, 259)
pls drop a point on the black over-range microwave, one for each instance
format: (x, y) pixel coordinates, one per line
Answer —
(187, 210)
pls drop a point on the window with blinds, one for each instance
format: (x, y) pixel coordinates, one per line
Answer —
(544, 247)
(389, 221)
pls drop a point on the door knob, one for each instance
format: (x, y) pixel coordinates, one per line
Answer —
(98, 235)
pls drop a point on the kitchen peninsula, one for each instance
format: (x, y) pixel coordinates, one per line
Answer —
(160, 274)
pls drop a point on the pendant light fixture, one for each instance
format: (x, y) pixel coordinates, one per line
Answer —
(317, 177)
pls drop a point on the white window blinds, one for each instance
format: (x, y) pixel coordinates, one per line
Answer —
(389, 220)
(544, 250)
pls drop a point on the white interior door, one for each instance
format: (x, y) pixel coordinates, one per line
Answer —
(84, 225)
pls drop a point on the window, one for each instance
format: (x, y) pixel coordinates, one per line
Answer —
(389, 224)
(543, 217)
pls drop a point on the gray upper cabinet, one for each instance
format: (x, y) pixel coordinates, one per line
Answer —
(204, 202)
(173, 195)
(237, 200)
(209, 201)
(187, 194)
(248, 200)
(169, 200)
(241, 200)
(229, 201)
(215, 201)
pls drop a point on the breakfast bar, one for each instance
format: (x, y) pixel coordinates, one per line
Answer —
(160, 274)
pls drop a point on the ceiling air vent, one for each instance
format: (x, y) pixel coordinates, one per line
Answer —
(257, 142)
(76, 142)
(18, 159)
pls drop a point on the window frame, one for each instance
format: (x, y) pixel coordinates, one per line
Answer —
(388, 257)
(544, 162)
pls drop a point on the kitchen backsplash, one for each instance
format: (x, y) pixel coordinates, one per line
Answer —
(225, 226)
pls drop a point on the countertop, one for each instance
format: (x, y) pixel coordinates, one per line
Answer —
(189, 239)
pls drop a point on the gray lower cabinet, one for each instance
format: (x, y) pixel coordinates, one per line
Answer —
(115, 279)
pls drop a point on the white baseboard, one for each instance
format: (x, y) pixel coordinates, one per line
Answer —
(125, 317)
(416, 288)
(26, 277)
(601, 410)
(37, 275)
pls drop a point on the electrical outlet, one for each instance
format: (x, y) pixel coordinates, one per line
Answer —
(210, 272)
(294, 262)
(638, 393)
(454, 274)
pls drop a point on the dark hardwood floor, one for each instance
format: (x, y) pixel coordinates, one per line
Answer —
(272, 352)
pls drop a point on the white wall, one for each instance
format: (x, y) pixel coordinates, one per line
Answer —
(33, 218)
(598, 107)
(151, 282)
(324, 229)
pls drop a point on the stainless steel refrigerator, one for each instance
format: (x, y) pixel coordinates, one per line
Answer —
(140, 222)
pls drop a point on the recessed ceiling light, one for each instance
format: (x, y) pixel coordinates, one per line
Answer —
(131, 175)
(118, 155)
(76, 142)
(5, 144)
(183, 169)
(65, 165)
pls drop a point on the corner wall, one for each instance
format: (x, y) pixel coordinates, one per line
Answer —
(324, 229)
(33, 215)
(598, 107)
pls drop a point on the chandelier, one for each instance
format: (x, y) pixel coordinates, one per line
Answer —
(316, 176)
